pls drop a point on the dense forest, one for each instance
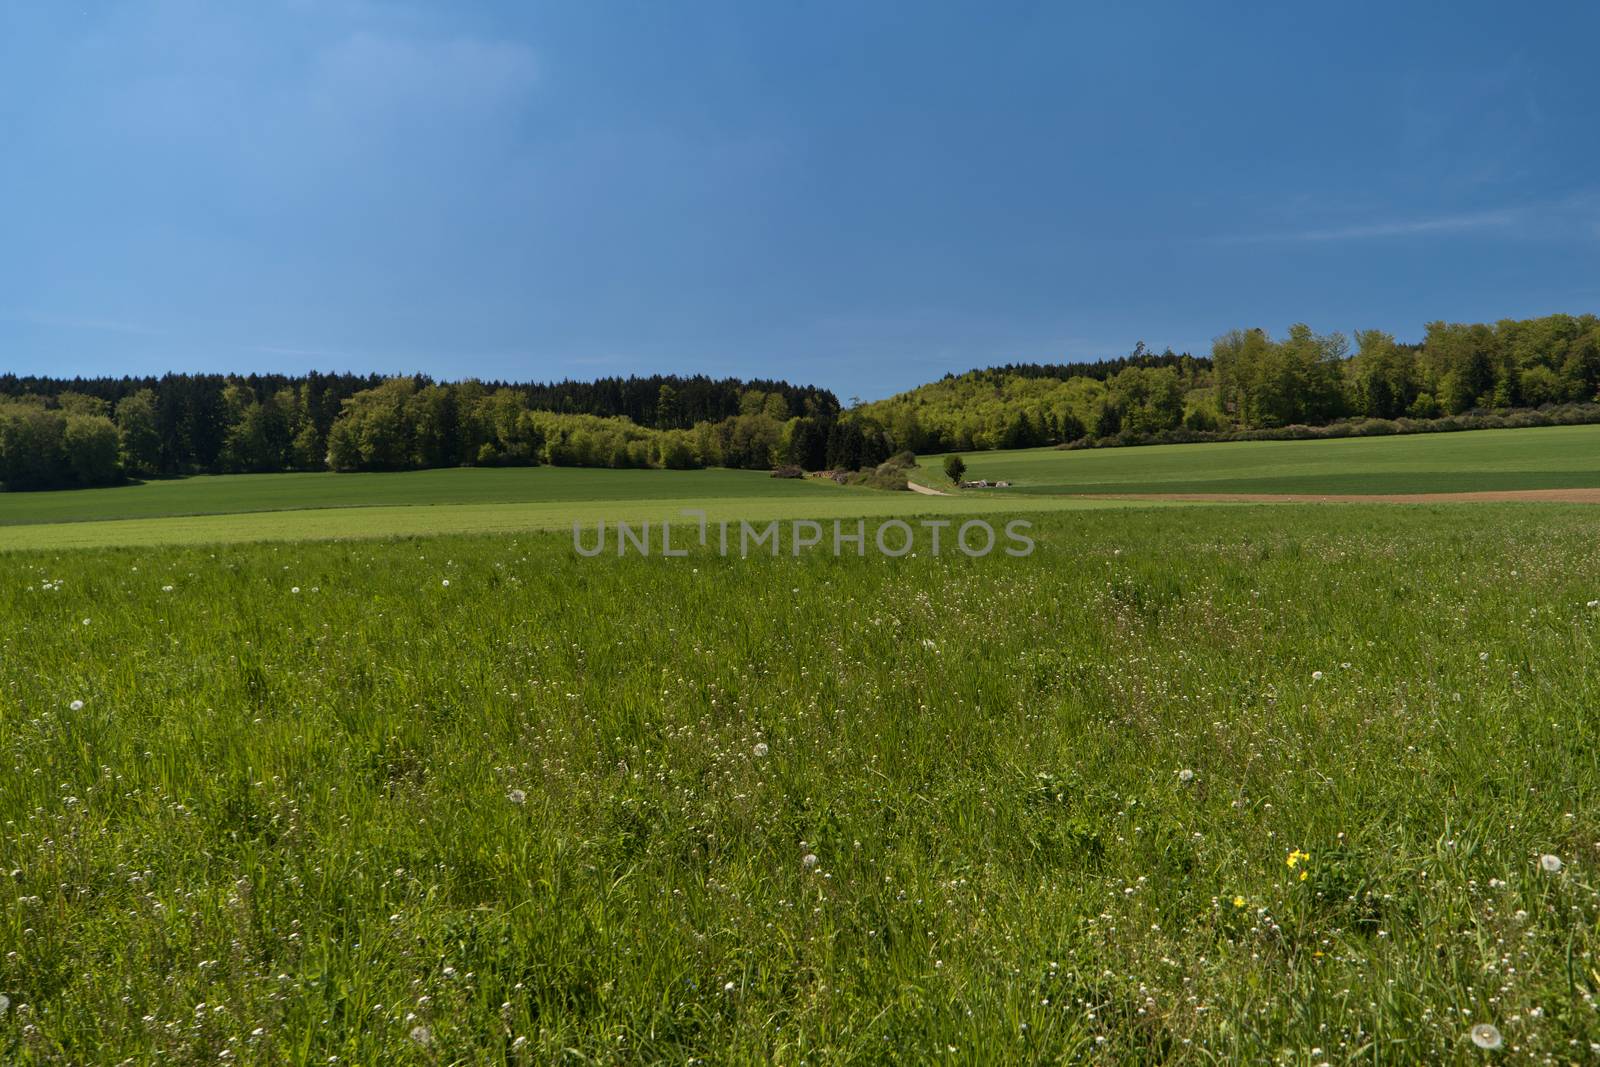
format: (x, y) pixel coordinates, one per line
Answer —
(97, 431)
(1254, 385)
(56, 432)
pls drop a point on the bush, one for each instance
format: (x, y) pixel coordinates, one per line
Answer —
(955, 468)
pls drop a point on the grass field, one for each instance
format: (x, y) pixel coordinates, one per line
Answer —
(241, 508)
(1193, 785)
(1556, 457)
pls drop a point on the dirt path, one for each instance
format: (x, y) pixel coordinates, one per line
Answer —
(924, 490)
(1552, 496)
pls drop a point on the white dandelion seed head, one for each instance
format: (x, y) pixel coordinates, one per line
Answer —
(517, 796)
(809, 860)
(760, 750)
(1486, 1035)
(728, 987)
(295, 589)
(86, 622)
(1550, 863)
(1316, 676)
(1483, 657)
(422, 1035)
(1186, 776)
(76, 705)
(445, 583)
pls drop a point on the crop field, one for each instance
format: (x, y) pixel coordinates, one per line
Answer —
(1555, 457)
(1286, 784)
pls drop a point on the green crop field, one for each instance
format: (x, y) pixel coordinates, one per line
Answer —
(320, 506)
(1187, 785)
(1556, 457)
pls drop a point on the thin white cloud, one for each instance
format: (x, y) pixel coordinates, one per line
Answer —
(1443, 224)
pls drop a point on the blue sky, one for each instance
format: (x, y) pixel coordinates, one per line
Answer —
(863, 196)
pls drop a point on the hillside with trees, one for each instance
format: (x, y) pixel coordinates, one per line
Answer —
(1459, 376)
(80, 432)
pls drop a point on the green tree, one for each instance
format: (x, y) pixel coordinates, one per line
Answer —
(140, 444)
(955, 468)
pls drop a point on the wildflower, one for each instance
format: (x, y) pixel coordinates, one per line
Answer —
(728, 987)
(1239, 902)
(295, 589)
(1186, 776)
(422, 1035)
(5, 1004)
(1296, 858)
(927, 643)
(520, 1043)
(1483, 657)
(809, 860)
(76, 705)
(166, 589)
(760, 750)
(1487, 1036)
(517, 796)
(1594, 603)
(1316, 676)
(445, 583)
(1551, 864)
(86, 622)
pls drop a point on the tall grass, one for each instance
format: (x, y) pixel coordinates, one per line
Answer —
(318, 803)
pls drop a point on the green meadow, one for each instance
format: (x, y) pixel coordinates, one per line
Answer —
(1187, 785)
(316, 769)
(1554, 457)
(322, 506)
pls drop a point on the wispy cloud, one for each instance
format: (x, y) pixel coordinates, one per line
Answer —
(1470, 222)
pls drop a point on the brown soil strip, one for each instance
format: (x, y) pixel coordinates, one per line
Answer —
(1549, 496)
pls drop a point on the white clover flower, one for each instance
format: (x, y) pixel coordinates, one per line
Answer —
(809, 860)
(517, 796)
(1550, 863)
(1594, 603)
(760, 750)
(76, 705)
(1486, 1035)
(1316, 676)
(728, 987)
(86, 622)
(166, 589)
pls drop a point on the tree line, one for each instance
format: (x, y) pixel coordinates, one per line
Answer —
(62, 433)
(56, 432)
(1254, 383)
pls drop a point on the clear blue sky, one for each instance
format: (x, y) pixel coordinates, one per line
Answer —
(863, 196)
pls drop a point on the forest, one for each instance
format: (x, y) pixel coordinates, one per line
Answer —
(57, 433)
(1255, 385)
(80, 432)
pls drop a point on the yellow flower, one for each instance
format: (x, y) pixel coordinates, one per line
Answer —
(1302, 876)
(1238, 902)
(1296, 858)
